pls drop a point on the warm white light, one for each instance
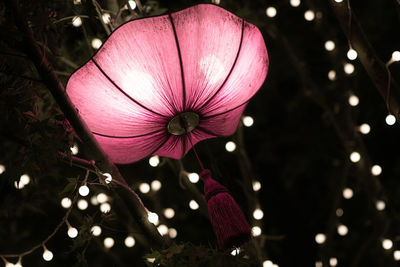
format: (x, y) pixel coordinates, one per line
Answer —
(18, 264)
(230, 146)
(376, 170)
(396, 255)
(84, 190)
(258, 214)
(101, 198)
(154, 161)
(338, 1)
(318, 264)
(18, 185)
(9, 264)
(347, 193)
(95, 230)
(2, 168)
(294, 3)
(348, 68)
(106, 18)
(390, 119)
(129, 241)
(271, 12)
(256, 230)
(132, 4)
(309, 15)
(47, 255)
(96, 43)
(105, 207)
(172, 232)
(333, 262)
(364, 128)
(355, 157)
(155, 185)
(339, 212)
(153, 217)
(144, 188)
(193, 205)
(94, 201)
(352, 54)
(76, 21)
(396, 56)
(329, 45)
(169, 213)
(82, 204)
(24, 179)
(256, 186)
(380, 205)
(77, 2)
(320, 238)
(387, 244)
(193, 177)
(162, 229)
(353, 100)
(108, 178)
(74, 149)
(66, 202)
(332, 75)
(342, 230)
(108, 242)
(267, 263)
(72, 232)
(235, 251)
(248, 121)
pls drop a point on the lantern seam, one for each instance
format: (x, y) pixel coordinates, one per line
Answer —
(122, 137)
(123, 92)
(208, 132)
(229, 110)
(161, 145)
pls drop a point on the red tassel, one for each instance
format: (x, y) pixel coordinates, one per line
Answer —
(228, 221)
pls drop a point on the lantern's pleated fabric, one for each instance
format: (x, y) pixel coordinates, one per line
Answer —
(202, 59)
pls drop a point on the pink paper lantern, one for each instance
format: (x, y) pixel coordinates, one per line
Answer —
(159, 85)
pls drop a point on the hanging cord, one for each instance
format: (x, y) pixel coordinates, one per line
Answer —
(195, 152)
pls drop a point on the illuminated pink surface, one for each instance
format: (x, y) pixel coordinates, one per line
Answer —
(202, 59)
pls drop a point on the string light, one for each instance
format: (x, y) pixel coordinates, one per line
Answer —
(154, 161)
(2, 168)
(101, 198)
(309, 15)
(235, 251)
(76, 21)
(258, 214)
(108, 178)
(333, 262)
(318, 264)
(380, 205)
(320, 238)
(155, 185)
(364, 128)
(144, 188)
(47, 254)
(230, 146)
(390, 119)
(77, 2)
(268, 263)
(132, 4)
(66, 202)
(153, 218)
(105, 207)
(248, 121)
(342, 229)
(387, 244)
(348, 68)
(353, 100)
(339, 212)
(172, 233)
(162, 229)
(94, 201)
(256, 186)
(82, 204)
(25, 179)
(355, 157)
(271, 12)
(84, 190)
(396, 56)
(396, 255)
(295, 3)
(193, 177)
(376, 170)
(129, 241)
(108, 242)
(72, 232)
(96, 43)
(18, 185)
(348, 193)
(352, 54)
(193, 205)
(329, 45)
(106, 17)
(169, 213)
(95, 230)
(74, 149)
(332, 75)
(256, 230)
(338, 1)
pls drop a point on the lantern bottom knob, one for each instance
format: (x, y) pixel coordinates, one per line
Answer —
(183, 123)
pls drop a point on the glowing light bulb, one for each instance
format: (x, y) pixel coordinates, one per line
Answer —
(155, 185)
(84, 190)
(193, 205)
(256, 186)
(348, 68)
(101, 198)
(396, 255)
(355, 157)
(18, 185)
(309, 15)
(2, 168)
(352, 54)
(144, 188)
(95, 230)
(294, 3)
(390, 119)
(129, 241)
(380, 205)
(108, 178)
(333, 262)
(339, 212)
(387, 244)
(248, 121)
(332, 75)
(72, 232)
(364, 128)
(153, 218)
(105, 207)
(82, 204)
(108, 242)
(342, 229)
(353, 100)
(24, 179)
(320, 238)
(76, 21)
(338, 1)
(271, 12)
(172, 232)
(256, 230)
(94, 201)
(66, 202)
(396, 56)
(348, 193)
(169, 213)
(318, 264)
(258, 214)
(154, 161)
(329, 45)
(376, 170)
(132, 4)
(96, 43)
(77, 2)
(193, 177)
(235, 251)
(74, 149)
(267, 263)
(230, 146)
(47, 255)
(18, 264)
(106, 17)
(162, 229)
(9, 264)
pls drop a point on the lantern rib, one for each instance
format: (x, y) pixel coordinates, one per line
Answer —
(162, 144)
(180, 62)
(208, 132)
(123, 92)
(229, 110)
(122, 137)
(230, 72)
